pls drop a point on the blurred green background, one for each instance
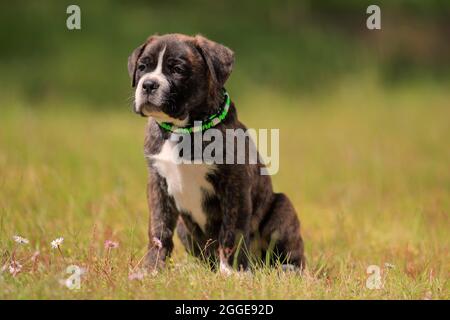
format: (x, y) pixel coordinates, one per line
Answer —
(294, 47)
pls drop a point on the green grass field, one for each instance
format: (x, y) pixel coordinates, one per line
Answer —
(366, 167)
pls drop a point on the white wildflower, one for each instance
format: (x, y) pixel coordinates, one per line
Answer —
(20, 240)
(57, 242)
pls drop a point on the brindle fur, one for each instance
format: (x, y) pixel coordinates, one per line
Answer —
(244, 211)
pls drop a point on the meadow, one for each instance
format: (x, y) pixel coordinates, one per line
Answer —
(367, 168)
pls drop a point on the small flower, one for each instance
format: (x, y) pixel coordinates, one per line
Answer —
(389, 265)
(111, 244)
(35, 256)
(20, 240)
(157, 243)
(14, 268)
(57, 242)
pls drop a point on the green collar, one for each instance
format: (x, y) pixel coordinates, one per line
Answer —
(213, 120)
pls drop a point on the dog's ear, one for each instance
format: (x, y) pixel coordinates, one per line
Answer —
(218, 58)
(134, 57)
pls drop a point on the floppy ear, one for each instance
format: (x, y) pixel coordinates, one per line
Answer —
(219, 59)
(134, 57)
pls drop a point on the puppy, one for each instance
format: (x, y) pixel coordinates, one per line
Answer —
(226, 213)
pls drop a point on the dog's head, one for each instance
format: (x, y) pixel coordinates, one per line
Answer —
(179, 78)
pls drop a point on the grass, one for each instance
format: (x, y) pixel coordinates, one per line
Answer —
(366, 167)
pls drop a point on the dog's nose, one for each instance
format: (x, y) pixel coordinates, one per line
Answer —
(150, 86)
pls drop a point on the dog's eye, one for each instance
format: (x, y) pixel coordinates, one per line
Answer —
(141, 67)
(177, 69)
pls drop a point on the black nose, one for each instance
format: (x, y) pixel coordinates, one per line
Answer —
(150, 86)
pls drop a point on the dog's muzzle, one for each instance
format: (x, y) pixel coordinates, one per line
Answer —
(138, 111)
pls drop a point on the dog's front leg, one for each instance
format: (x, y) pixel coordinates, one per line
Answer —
(234, 235)
(163, 218)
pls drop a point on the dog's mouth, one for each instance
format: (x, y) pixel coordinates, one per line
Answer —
(160, 114)
(147, 109)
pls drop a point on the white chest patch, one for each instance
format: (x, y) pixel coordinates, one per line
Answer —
(186, 182)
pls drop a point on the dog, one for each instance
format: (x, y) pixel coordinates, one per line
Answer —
(226, 214)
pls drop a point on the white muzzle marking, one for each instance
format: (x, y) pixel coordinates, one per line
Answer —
(156, 75)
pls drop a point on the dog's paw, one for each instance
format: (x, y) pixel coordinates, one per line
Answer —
(289, 267)
(154, 261)
(225, 269)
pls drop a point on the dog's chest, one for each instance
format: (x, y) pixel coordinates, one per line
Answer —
(186, 182)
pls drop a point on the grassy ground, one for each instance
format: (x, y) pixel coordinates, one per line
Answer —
(367, 169)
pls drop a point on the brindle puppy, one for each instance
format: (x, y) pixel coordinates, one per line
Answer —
(221, 211)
